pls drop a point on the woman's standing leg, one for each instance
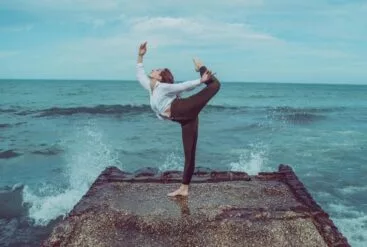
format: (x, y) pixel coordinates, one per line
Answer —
(189, 141)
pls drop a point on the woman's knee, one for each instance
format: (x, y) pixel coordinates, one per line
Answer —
(215, 84)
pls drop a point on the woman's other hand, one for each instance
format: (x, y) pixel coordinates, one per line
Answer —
(206, 76)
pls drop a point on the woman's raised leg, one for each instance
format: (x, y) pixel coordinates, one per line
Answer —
(190, 107)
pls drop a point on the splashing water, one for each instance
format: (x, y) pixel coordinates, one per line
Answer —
(173, 162)
(86, 157)
(252, 161)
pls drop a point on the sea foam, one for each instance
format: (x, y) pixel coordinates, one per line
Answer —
(87, 155)
(251, 160)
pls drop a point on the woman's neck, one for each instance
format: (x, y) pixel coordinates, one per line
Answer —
(153, 82)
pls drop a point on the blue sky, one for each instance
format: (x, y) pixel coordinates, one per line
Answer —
(313, 41)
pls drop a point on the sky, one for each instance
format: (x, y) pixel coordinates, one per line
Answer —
(297, 41)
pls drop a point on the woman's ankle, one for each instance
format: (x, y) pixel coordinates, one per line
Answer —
(185, 186)
(202, 70)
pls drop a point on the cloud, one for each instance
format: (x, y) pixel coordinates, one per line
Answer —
(64, 5)
(22, 28)
(183, 34)
(124, 5)
(6, 54)
(97, 22)
(190, 31)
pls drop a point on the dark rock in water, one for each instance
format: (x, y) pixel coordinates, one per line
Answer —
(233, 175)
(8, 154)
(223, 209)
(8, 228)
(202, 171)
(19, 232)
(146, 172)
(16, 228)
(169, 175)
(11, 202)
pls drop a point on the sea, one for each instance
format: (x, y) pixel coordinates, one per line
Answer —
(56, 136)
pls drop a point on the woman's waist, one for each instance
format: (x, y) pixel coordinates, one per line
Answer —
(162, 108)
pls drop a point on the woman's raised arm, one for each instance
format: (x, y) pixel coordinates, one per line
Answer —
(140, 72)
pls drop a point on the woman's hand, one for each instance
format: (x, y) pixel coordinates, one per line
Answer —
(206, 76)
(143, 49)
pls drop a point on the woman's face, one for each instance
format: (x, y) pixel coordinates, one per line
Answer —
(156, 74)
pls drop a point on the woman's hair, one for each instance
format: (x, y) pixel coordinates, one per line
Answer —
(167, 76)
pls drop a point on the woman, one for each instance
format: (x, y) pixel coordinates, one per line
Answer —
(166, 102)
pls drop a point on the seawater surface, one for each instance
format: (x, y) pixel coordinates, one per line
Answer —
(57, 136)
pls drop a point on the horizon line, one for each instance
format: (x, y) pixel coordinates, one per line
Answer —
(129, 80)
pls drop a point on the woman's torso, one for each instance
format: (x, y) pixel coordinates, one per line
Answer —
(160, 101)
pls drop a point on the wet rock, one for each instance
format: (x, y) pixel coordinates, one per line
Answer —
(11, 202)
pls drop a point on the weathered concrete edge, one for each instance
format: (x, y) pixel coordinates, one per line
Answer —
(321, 219)
(285, 174)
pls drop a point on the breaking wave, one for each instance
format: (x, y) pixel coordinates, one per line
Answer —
(86, 158)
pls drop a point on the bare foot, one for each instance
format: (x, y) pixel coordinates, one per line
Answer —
(182, 191)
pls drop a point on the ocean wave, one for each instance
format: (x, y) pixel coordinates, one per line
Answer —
(8, 154)
(294, 110)
(262, 96)
(7, 110)
(351, 222)
(303, 114)
(122, 109)
(100, 109)
(5, 125)
(25, 112)
(256, 126)
(11, 125)
(48, 151)
(85, 160)
(353, 189)
(300, 118)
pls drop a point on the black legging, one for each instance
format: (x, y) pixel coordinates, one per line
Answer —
(186, 112)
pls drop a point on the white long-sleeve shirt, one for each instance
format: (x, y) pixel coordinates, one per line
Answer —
(162, 95)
